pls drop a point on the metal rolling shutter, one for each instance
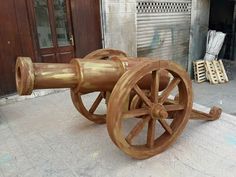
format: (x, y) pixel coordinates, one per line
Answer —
(163, 29)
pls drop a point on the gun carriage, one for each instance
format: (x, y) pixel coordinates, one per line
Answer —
(149, 101)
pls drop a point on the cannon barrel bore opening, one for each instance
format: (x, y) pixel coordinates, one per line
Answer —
(24, 76)
(30, 76)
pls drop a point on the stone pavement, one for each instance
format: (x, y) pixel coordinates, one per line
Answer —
(47, 137)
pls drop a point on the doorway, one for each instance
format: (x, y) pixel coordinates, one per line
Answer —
(53, 30)
(222, 18)
(44, 30)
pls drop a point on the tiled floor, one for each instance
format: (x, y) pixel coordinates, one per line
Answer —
(47, 137)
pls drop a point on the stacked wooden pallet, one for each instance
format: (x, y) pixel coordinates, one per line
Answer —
(199, 71)
(213, 71)
(216, 72)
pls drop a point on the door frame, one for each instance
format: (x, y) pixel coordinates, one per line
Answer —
(33, 26)
(233, 43)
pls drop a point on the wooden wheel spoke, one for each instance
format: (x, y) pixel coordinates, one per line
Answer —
(165, 125)
(96, 103)
(170, 101)
(136, 130)
(154, 86)
(151, 133)
(168, 90)
(174, 107)
(135, 113)
(142, 96)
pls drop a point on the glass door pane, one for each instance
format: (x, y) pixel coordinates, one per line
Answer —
(63, 35)
(43, 24)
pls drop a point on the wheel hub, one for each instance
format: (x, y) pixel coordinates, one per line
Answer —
(158, 111)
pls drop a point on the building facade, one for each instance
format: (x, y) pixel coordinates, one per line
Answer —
(46, 31)
(168, 29)
(58, 30)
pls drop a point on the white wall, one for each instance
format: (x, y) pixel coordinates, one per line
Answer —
(119, 25)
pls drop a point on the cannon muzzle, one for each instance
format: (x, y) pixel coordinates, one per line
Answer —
(30, 76)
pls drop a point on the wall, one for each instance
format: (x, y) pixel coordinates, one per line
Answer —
(199, 29)
(164, 29)
(119, 25)
(119, 31)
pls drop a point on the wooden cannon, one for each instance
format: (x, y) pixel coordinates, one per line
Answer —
(143, 116)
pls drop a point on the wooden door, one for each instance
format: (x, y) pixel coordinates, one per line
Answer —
(10, 46)
(53, 29)
(86, 25)
(19, 33)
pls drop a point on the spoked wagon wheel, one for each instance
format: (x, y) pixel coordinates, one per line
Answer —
(156, 125)
(105, 54)
(89, 112)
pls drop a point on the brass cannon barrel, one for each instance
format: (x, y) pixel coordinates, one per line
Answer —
(86, 75)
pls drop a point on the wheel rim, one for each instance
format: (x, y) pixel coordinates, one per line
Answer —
(105, 54)
(101, 54)
(89, 113)
(154, 111)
